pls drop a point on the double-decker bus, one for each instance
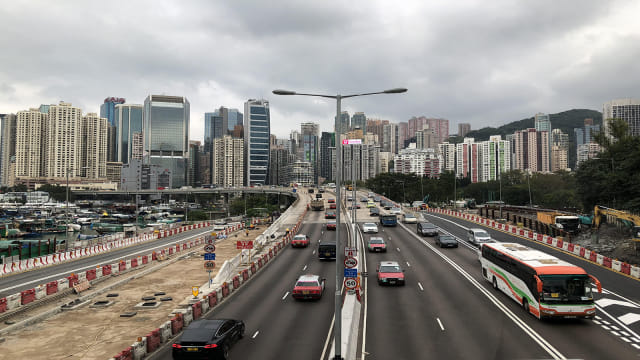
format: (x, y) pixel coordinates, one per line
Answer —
(542, 284)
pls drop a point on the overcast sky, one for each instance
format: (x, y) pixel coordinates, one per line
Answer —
(482, 62)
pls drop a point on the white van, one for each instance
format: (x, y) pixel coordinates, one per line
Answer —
(478, 236)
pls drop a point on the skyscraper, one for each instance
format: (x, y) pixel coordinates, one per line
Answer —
(403, 135)
(310, 133)
(343, 123)
(463, 129)
(327, 141)
(30, 143)
(64, 141)
(359, 120)
(166, 134)
(94, 144)
(531, 150)
(584, 137)
(626, 109)
(128, 120)
(228, 161)
(257, 129)
(108, 109)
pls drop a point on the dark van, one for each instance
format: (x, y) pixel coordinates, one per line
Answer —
(327, 250)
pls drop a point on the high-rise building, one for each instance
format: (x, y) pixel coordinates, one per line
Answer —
(108, 109)
(495, 158)
(531, 150)
(31, 143)
(587, 151)
(359, 120)
(426, 139)
(360, 162)
(439, 126)
(327, 141)
(94, 144)
(228, 154)
(310, 133)
(343, 123)
(376, 127)
(403, 135)
(543, 123)
(448, 154)
(468, 160)
(281, 166)
(463, 129)
(257, 129)
(390, 138)
(422, 162)
(166, 135)
(64, 141)
(584, 137)
(195, 172)
(128, 125)
(626, 109)
(7, 148)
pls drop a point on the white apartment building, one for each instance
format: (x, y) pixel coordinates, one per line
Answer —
(64, 141)
(94, 158)
(228, 161)
(31, 143)
(422, 162)
(625, 109)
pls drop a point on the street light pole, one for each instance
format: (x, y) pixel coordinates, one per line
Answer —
(338, 299)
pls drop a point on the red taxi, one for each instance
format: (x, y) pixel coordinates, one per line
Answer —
(331, 225)
(308, 287)
(300, 240)
(390, 273)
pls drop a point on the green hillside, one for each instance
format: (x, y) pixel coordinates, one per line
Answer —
(566, 121)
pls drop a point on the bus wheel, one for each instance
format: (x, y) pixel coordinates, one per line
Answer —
(495, 283)
(525, 305)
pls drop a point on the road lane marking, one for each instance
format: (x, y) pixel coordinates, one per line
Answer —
(420, 285)
(254, 335)
(304, 268)
(408, 265)
(313, 252)
(440, 323)
(398, 249)
(285, 295)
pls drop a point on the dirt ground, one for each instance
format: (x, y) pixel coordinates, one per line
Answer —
(612, 242)
(88, 333)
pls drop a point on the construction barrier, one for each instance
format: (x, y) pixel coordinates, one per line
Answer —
(213, 299)
(3, 305)
(52, 287)
(126, 354)
(134, 262)
(27, 296)
(73, 279)
(145, 260)
(245, 275)
(139, 348)
(153, 340)
(91, 274)
(122, 266)
(236, 282)
(625, 268)
(177, 324)
(106, 270)
(196, 310)
(225, 289)
(165, 331)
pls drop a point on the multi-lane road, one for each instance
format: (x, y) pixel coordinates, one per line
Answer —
(445, 310)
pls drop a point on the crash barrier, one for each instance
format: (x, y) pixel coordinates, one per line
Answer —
(107, 243)
(556, 242)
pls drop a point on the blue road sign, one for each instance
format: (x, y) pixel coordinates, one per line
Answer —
(294, 190)
(350, 273)
(209, 256)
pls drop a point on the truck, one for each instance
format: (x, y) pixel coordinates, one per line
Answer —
(317, 205)
(568, 223)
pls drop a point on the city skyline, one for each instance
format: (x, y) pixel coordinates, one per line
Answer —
(479, 63)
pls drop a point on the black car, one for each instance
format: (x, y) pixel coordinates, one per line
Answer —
(374, 211)
(427, 229)
(446, 241)
(208, 339)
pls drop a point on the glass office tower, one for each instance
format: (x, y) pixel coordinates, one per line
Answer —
(256, 140)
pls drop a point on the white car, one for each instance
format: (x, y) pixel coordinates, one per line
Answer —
(369, 228)
(409, 219)
(396, 211)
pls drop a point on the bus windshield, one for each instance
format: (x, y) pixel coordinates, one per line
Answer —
(566, 288)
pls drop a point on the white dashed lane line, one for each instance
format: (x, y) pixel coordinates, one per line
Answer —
(440, 323)
(420, 285)
(408, 265)
(304, 268)
(254, 335)
(285, 295)
(398, 249)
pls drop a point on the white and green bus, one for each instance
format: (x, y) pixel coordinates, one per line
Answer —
(544, 285)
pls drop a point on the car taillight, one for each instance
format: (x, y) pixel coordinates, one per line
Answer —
(177, 346)
(211, 346)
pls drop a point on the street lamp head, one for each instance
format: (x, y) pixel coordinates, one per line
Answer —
(395, 91)
(283, 92)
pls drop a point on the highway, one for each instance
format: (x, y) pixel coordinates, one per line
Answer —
(14, 283)
(447, 310)
(277, 326)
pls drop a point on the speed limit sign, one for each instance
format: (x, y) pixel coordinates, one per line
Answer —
(350, 283)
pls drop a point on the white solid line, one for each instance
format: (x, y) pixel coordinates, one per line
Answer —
(440, 323)
(254, 335)
(304, 268)
(409, 265)
(285, 295)
(420, 285)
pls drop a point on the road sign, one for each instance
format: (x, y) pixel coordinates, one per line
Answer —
(350, 252)
(350, 262)
(209, 265)
(350, 273)
(209, 256)
(209, 248)
(195, 291)
(350, 283)
(244, 244)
